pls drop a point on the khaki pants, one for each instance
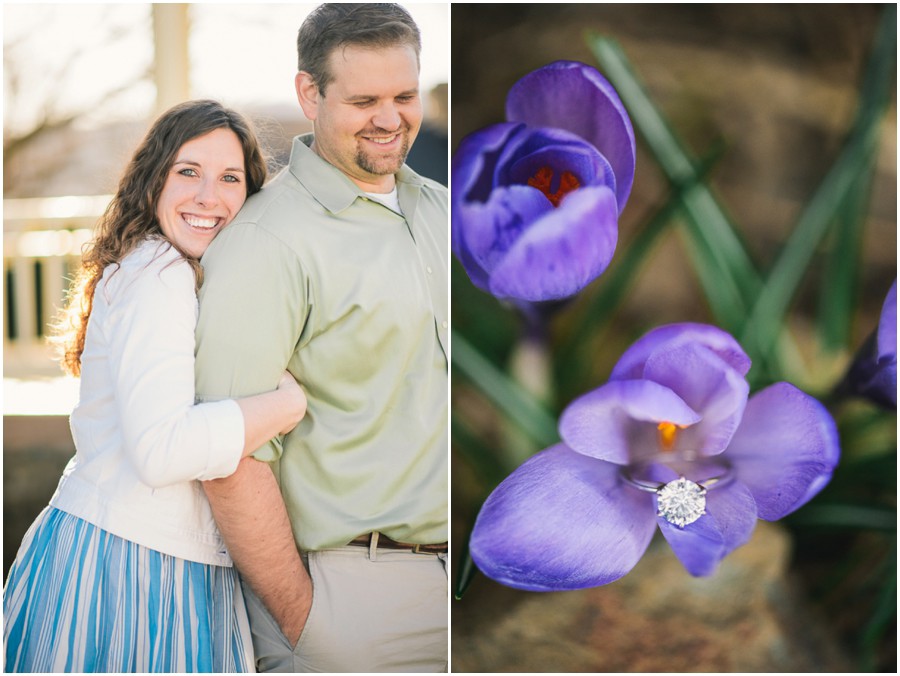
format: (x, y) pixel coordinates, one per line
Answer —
(381, 613)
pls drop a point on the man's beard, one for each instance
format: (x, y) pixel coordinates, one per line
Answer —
(382, 165)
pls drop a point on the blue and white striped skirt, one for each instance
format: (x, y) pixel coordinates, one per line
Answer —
(79, 599)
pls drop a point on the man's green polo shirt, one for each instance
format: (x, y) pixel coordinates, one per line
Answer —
(351, 297)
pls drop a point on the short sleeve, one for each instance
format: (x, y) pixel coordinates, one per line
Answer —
(253, 305)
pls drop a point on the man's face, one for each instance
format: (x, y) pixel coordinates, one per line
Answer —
(370, 115)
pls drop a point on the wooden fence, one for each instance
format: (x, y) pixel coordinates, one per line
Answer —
(42, 243)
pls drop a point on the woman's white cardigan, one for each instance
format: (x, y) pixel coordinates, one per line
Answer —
(142, 445)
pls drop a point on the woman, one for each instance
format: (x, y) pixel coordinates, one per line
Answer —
(125, 570)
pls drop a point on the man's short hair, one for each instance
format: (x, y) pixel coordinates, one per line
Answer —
(334, 25)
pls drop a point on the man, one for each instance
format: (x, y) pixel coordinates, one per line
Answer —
(337, 271)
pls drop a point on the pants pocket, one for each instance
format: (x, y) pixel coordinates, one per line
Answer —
(274, 653)
(313, 568)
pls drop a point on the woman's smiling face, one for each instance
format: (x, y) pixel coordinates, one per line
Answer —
(204, 189)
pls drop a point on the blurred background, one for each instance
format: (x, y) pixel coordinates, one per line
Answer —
(786, 116)
(81, 85)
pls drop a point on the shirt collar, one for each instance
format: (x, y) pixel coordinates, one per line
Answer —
(328, 184)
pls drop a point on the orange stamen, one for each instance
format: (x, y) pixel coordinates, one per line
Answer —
(543, 181)
(667, 433)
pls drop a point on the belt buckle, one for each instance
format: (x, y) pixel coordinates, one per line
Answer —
(418, 549)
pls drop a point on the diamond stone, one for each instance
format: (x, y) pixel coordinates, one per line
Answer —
(681, 502)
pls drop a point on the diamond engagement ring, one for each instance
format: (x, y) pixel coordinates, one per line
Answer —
(682, 501)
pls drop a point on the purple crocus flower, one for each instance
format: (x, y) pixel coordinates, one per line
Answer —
(670, 442)
(536, 200)
(874, 371)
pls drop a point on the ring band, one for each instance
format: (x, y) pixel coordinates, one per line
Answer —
(628, 471)
(682, 501)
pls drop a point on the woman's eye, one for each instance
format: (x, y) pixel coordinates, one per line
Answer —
(231, 178)
(187, 171)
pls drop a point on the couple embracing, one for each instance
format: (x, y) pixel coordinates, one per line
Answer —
(219, 516)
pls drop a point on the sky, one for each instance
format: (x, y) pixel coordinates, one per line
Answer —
(78, 56)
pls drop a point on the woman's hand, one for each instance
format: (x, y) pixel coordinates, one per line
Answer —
(272, 413)
(295, 399)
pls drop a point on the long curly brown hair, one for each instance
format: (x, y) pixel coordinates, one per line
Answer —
(131, 217)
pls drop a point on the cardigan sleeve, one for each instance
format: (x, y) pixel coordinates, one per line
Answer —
(150, 333)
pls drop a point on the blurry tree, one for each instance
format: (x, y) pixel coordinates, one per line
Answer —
(51, 57)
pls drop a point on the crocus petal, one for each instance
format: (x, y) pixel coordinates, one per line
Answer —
(509, 237)
(532, 149)
(887, 327)
(472, 172)
(474, 163)
(607, 423)
(883, 385)
(573, 96)
(487, 231)
(728, 523)
(563, 251)
(784, 450)
(631, 363)
(562, 521)
(709, 386)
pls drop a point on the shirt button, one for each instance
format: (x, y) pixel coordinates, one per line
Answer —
(428, 269)
(444, 324)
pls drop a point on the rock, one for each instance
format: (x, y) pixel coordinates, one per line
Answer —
(744, 618)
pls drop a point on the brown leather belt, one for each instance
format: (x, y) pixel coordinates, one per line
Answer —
(385, 542)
